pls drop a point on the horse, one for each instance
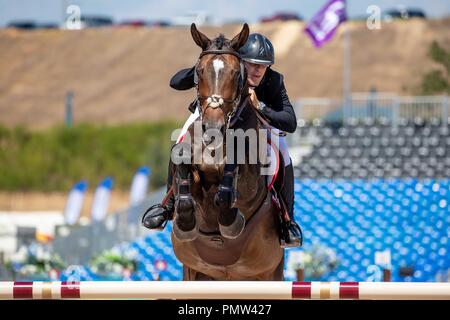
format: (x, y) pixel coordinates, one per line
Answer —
(216, 238)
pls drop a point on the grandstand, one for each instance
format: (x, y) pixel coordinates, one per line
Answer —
(368, 148)
(359, 217)
(371, 184)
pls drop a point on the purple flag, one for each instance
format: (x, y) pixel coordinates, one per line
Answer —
(323, 25)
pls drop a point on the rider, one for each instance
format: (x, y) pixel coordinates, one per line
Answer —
(267, 87)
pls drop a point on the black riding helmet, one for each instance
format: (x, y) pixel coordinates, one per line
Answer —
(258, 49)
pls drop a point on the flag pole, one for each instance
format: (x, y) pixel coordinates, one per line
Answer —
(321, 28)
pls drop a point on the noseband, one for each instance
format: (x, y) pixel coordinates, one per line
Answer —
(215, 101)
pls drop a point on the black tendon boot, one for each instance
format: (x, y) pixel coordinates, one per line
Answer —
(156, 216)
(294, 237)
(225, 196)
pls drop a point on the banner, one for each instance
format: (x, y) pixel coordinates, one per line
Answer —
(324, 24)
(139, 186)
(75, 202)
(101, 200)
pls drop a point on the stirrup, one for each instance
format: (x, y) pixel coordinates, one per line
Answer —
(285, 236)
(166, 218)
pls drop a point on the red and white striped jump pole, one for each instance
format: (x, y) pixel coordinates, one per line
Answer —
(272, 290)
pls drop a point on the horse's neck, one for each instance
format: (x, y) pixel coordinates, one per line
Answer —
(251, 184)
(247, 120)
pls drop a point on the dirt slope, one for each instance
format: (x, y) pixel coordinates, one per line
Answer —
(122, 74)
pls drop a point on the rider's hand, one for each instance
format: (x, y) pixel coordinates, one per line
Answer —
(253, 97)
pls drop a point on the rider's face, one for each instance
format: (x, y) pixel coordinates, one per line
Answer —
(255, 72)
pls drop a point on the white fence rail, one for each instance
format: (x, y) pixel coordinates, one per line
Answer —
(220, 290)
(370, 105)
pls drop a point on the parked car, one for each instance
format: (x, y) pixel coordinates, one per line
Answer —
(29, 25)
(22, 24)
(48, 25)
(404, 13)
(282, 16)
(95, 21)
(158, 23)
(134, 23)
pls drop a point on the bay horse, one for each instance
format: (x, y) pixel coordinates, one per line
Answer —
(213, 239)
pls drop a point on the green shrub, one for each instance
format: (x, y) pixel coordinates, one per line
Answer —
(53, 160)
(437, 81)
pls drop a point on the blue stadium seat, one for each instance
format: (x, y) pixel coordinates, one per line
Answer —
(355, 218)
(407, 216)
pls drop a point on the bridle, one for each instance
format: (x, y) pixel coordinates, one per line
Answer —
(215, 101)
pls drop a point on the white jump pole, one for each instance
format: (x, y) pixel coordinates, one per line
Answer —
(270, 290)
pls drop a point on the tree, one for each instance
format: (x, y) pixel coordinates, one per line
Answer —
(437, 81)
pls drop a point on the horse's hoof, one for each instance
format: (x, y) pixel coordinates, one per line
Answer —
(235, 229)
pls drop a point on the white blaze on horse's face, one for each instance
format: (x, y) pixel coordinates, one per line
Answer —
(218, 65)
(216, 100)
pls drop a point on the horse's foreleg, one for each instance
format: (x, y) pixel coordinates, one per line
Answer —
(186, 226)
(231, 220)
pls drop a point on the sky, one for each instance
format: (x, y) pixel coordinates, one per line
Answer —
(248, 10)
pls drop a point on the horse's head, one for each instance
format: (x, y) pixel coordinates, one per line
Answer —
(220, 77)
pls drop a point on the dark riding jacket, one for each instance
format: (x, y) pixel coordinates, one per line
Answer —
(271, 91)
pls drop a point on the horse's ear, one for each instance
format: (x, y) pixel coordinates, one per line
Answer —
(200, 39)
(241, 38)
